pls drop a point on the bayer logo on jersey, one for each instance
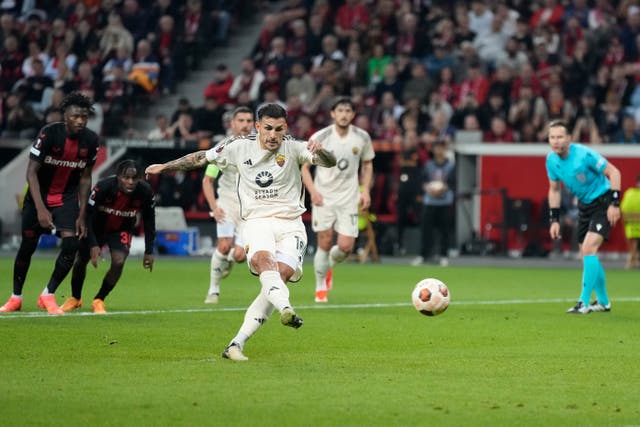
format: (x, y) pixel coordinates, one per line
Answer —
(264, 179)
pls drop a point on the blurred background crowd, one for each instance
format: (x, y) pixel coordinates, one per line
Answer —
(419, 71)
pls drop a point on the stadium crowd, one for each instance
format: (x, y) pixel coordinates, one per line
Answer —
(417, 71)
(120, 53)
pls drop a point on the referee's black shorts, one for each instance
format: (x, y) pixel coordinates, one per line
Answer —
(593, 217)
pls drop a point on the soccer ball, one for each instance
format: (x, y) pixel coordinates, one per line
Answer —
(430, 297)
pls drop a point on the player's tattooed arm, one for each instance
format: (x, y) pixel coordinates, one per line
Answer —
(186, 163)
(190, 161)
(324, 158)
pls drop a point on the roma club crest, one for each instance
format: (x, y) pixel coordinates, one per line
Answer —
(354, 150)
(280, 159)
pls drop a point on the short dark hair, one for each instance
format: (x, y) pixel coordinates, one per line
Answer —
(128, 164)
(343, 100)
(275, 111)
(242, 109)
(559, 123)
(77, 99)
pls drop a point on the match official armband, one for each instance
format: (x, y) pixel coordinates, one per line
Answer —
(615, 198)
(554, 215)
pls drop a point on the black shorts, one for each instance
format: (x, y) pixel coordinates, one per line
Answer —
(593, 217)
(119, 241)
(64, 217)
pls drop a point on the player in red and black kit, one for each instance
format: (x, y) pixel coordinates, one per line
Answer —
(114, 205)
(59, 178)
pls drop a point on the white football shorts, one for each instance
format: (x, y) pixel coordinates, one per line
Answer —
(344, 220)
(285, 238)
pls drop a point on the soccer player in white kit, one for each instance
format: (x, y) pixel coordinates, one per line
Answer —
(336, 193)
(225, 210)
(271, 204)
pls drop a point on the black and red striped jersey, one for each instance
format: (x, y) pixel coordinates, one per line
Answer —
(63, 159)
(110, 210)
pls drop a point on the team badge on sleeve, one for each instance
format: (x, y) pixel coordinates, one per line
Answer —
(280, 159)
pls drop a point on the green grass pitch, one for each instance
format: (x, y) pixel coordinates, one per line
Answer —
(503, 354)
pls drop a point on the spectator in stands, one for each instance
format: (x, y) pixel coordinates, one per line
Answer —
(387, 108)
(439, 58)
(416, 110)
(303, 127)
(220, 17)
(161, 131)
(409, 186)
(115, 35)
(527, 110)
(438, 184)
(577, 71)
(8, 27)
(495, 106)
(11, 59)
(277, 56)
(184, 128)
(84, 40)
(248, 80)
(35, 52)
(300, 84)
(315, 34)
(475, 84)
(628, 133)
(121, 59)
(33, 31)
(219, 87)
(419, 85)
(196, 33)
(116, 100)
(145, 70)
(168, 48)
(354, 66)
(351, 20)
(438, 105)
(439, 130)
(389, 83)
(498, 131)
(298, 40)
(412, 39)
(480, 17)
(36, 86)
(184, 106)
(19, 119)
(490, 45)
(330, 50)
(559, 106)
(135, 19)
(85, 77)
(58, 35)
(208, 119)
(270, 29)
(62, 56)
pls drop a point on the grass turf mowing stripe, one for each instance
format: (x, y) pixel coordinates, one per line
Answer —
(36, 314)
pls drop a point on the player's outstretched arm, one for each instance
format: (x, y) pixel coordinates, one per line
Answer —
(321, 157)
(186, 163)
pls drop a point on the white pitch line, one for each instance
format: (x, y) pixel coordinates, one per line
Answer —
(41, 314)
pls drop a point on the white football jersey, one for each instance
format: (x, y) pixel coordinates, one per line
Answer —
(339, 185)
(269, 184)
(227, 182)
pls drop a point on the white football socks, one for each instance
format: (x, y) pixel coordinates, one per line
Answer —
(219, 264)
(274, 289)
(257, 313)
(321, 266)
(336, 256)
